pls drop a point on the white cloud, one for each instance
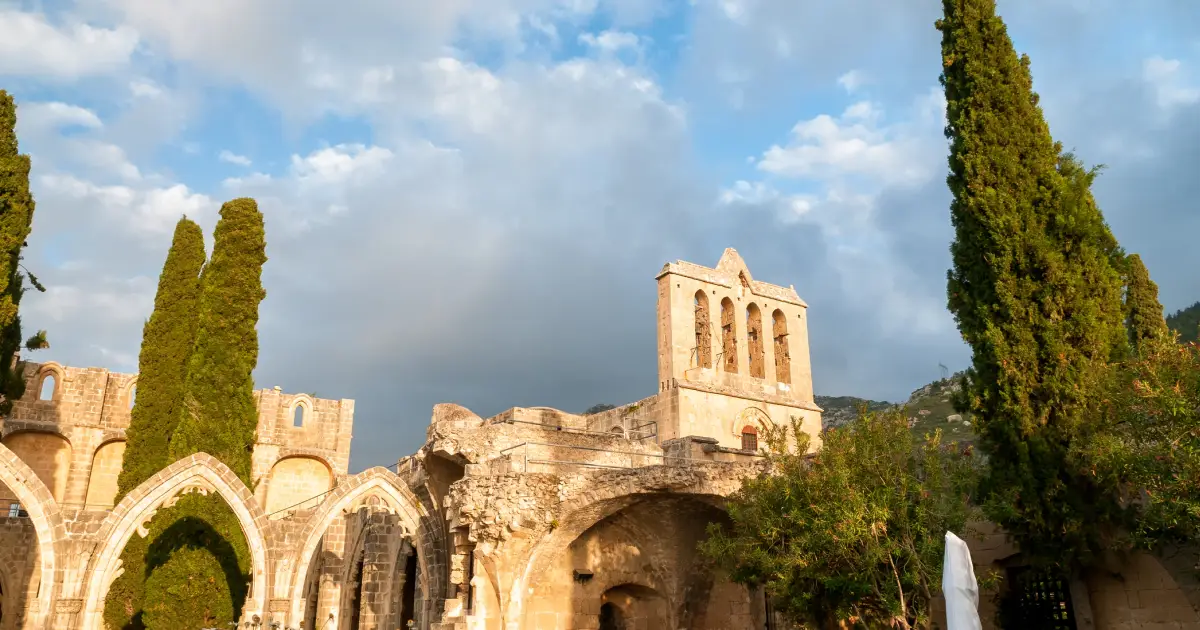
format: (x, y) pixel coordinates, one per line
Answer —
(145, 88)
(611, 41)
(51, 116)
(117, 300)
(852, 144)
(852, 81)
(143, 212)
(735, 10)
(233, 158)
(39, 125)
(1171, 89)
(31, 46)
(338, 164)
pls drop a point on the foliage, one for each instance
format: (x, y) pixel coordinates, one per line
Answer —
(1186, 322)
(597, 408)
(1143, 312)
(123, 604)
(854, 533)
(198, 567)
(167, 341)
(16, 219)
(1149, 441)
(219, 416)
(1035, 290)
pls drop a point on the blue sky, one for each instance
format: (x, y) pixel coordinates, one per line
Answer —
(466, 201)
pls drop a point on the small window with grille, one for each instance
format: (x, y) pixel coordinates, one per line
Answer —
(1037, 599)
(749, 438)
(14, 510)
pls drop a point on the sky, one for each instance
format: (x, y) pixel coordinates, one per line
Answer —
(468, 200)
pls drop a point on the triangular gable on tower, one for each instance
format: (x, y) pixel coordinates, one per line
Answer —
(731, 271)
(731, 262)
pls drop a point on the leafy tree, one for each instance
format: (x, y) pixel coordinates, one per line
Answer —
(1143, 312)
(597, 408)
(1035, 292)
(1186, 322)
(167, 341)
(201, 551)
(1149, 445)
(853, 534)
(16, 220)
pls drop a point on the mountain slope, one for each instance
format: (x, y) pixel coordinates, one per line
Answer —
(928, 408)
(1186, 322)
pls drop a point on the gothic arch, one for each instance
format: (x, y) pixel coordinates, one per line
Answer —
(378, 482)
(703, 326)
(582, 512)
(783, 355)
(44, 513)
(750, 416)
(200, 472)
(49, 369)
(129, 393)
(305, 404)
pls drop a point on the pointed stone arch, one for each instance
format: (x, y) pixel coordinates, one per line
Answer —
(373, 482)
(579, 513)
(750, 417)
(46, 518)
(200, 472)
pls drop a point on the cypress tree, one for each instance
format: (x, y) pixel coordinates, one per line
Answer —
(197, 563)
(219, 415)
(16, 221)
(1033, 290)
(167, 340)
(1143, 312)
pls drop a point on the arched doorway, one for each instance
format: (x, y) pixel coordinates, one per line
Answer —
(638, 567)
(633, 607)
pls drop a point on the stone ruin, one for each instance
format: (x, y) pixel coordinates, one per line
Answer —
(532, 519)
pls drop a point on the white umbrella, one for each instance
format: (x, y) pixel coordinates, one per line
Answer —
(959, 586)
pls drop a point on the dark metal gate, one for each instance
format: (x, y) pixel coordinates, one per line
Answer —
(1036, 600)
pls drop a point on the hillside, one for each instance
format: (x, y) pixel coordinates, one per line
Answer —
(1186, 322)
(928, 408)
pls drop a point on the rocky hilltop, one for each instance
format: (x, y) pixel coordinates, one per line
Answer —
(928, 408)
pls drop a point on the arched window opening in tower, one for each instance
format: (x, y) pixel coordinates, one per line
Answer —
(703, 332)
(749, 438)
(783, 358)
(754, 339)
(728, 338)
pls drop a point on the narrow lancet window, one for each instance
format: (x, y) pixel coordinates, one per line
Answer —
(703, 332)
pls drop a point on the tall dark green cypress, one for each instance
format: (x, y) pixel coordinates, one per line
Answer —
(1034, 291)
(16, 221)
(197, 563)
(219, 416)
(1143, 312)
(167, 341)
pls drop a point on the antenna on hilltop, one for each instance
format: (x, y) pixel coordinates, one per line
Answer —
(945, 371)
